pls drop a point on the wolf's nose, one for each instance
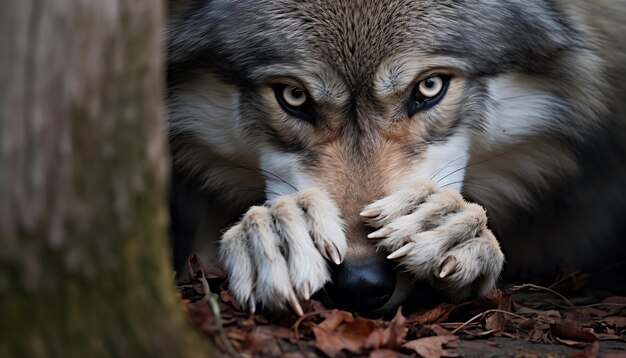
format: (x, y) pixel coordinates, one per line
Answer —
(362, 284)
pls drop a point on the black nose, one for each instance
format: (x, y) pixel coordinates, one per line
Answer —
(362, 284)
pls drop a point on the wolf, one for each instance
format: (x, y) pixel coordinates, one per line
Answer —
(362, 149)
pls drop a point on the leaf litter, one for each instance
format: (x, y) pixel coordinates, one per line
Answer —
(527, 312)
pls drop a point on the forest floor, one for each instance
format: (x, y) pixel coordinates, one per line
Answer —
(524, 320)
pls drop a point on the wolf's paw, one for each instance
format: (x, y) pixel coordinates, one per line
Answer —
(276, 253)
(438, 236)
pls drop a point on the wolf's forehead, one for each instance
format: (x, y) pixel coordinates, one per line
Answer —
(355, 36)
(234, 39)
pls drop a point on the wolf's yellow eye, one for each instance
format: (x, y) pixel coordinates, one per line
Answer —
(430, 87)
(427, 93)
(294, 96)
(295, 101)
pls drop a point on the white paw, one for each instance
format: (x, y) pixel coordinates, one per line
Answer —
(438, 236)
(275, 254)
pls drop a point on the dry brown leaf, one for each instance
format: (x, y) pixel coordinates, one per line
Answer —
(615, 321)
(293, 355)
(384, 353)
(392, 336)
(571, 331)
(536, 335)
(255, 340)
(277, 332)
(435, 315)
(599, 312)
(237, 334)
(572, 343)
(342, 331)
(196, 268)
(335, 318)
(497, 298)
(431, 347)
(608, 337)
(497, 321)
(227, 297)
(528, 324)
(549, 313)
(589, 352)
(312, 305)
(619, 300)
(614, 355)
(438, 330)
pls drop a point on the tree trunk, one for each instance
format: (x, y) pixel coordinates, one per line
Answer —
(84, 265)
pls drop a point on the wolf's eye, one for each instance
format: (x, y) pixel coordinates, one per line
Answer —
(294, 96)
(294, 101)
(428, 92)
(430, 87)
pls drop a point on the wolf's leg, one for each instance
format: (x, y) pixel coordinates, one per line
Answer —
(276, 253)
(438, 236)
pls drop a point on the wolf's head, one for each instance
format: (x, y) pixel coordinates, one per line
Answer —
(360, 98)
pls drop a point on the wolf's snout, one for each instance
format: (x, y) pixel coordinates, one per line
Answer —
(362, 284)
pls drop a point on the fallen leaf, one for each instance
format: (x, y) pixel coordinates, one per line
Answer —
(619, 300)
(589, 352)
(608, 337)
(549, 313)
(392, 336)
(617, 322)
(600, 312)
(293, 355)
(384, 353)
(435, 315)
(312, 305)
(572, 343)
(570, 331)
(195, 268)
(277, 332)
(255, 340)
(336, 317)
(342, 331)
(497, 321)
(227, 297)
(497, 298)
(614, 355)
(438, 330)
(536, 335)
(431, 347)
(237, 334)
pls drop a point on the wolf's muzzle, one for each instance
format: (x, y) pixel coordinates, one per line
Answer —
(362, 285)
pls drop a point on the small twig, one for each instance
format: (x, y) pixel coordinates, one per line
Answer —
(305, 316)
(215, 308)
(600, 304)
(485, 333)
(564, 278)
(454, 325)
(481, 315)
(537, 287)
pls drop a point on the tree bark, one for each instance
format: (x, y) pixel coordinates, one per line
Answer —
(84, 265)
